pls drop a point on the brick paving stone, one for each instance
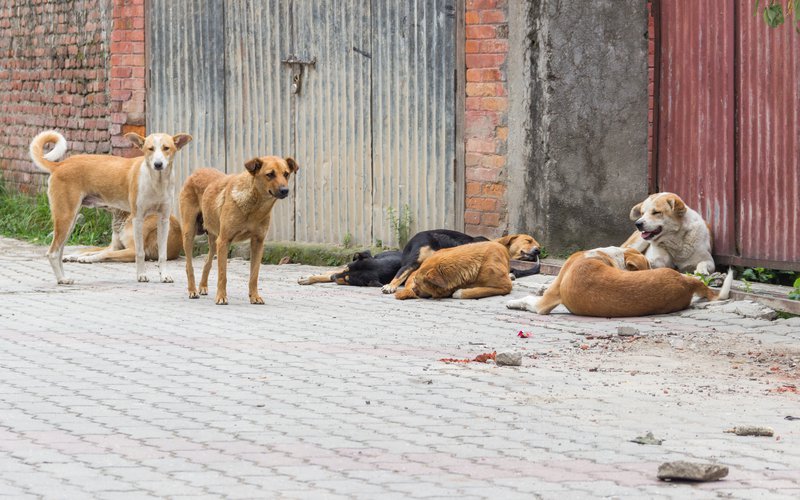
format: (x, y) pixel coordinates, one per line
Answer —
(111, 388)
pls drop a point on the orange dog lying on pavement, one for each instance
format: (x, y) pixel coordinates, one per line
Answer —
(470, 271)
(617, 282)
(232, 208)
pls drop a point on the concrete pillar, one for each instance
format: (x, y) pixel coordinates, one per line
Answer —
(577, 149)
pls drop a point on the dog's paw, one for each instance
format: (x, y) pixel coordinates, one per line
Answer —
(458, 294)
(256, 299)
(388, 289)
(71, 258)
(517, 304)
(142, 278)
(86, 259)
(304, 281)
(193, 294)
(66, 281)
(166, 278)
(222, 299)
(203, 290)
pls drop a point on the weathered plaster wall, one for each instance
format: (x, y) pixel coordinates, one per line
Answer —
(578, 120)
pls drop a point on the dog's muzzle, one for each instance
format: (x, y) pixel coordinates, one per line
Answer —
(532, 256)
(158, 165)
(282, 193)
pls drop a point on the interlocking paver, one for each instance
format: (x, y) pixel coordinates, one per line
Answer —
(111, 389)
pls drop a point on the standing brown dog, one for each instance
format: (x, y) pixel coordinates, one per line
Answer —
(232, 208)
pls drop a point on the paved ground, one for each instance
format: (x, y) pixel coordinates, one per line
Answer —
(112, 389)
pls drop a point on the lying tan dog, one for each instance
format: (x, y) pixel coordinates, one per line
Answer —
(470, 271)
(670, 234)
(614, 282)
(232, 208)
(123, 246)
(140, 186)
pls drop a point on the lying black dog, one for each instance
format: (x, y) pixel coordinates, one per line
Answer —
(425, 243)
(364, 270)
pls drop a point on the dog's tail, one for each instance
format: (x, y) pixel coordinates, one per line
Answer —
(47, 161)
(724, 293)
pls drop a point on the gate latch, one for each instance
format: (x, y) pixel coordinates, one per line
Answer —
(297, 66)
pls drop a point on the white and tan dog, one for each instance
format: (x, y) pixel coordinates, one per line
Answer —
(617, 282)
(672, 235)
(141, 185)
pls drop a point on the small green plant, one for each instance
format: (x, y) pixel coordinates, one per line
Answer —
(705, 278)
(347, 241)
(776, 14)
(747, 286)
(401, 223)
(378, 243)
(794, 293)
(759, 274)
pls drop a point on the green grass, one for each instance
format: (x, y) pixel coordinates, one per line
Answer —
(27, 217)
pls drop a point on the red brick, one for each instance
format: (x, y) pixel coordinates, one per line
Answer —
(482, 174)
(473, 188)
(481, 145)
(494, 190)
(496, 46)
(472, 46)
(480, 31)
(491, 219)
(485, 75)
(493, 16)
(472, 217)
(482, 204)
(481, 4)
(472, 17)
(485, 60)
(485, 89)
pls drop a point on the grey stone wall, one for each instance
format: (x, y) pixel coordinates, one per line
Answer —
(577, 120)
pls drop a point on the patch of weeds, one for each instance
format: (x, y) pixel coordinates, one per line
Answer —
(705, 278)
(400, 223)
(794, 293)
(748, 288)
(27, 217)
(347, 241)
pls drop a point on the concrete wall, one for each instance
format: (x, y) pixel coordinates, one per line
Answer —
(577, 157)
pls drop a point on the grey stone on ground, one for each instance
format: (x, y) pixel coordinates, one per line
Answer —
(750, 309)
(690, 471)
(627, 331)
(647, 439)
(751, 430)
(508, 359)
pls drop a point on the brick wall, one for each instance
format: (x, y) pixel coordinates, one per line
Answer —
(486, 118)
(76, 66)
(651, 85)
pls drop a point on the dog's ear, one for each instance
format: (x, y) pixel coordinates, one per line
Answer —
(293, 166)
(636, 212)
(254, 165)
(364, 254)
(507, 240)
(435, 278)
(136, 139)
(635, 260)
(677, 205)
(181, 140)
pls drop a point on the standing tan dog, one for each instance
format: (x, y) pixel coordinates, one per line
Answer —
(470, 271)
(615, 282)
(232, 208)
(140, 185)
(122, 247)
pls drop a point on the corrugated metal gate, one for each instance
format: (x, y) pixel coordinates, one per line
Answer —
(372, 125)
(728, 128)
